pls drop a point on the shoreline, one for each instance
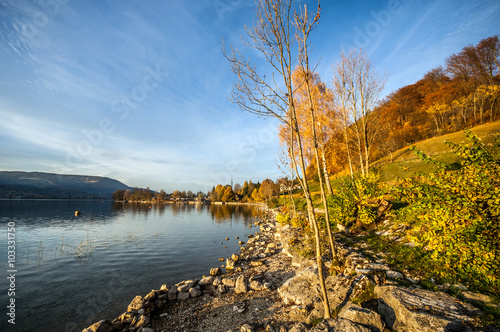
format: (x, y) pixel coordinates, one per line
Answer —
(268, 287)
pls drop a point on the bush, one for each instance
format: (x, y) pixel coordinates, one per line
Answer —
(454, 214)
(355, 199)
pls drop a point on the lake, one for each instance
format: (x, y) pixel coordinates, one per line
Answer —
(71, 271)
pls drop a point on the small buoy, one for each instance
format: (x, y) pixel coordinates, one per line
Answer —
(77, 213)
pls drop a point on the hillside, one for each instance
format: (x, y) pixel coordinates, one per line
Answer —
(404, 163)
(49, 185)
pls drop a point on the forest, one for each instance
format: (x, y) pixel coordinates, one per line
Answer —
(354, 128)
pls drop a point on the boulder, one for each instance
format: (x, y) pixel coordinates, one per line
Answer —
(140, 321)
(363, 316)
(126, 318)
(228, 282)
(235, 257)
(217, 282)
(298, 327)
(241, 285)
(216, 271)
(150, 296)
(136, 304)
(164, 288)
(206, 281)
(183, 295)
(246, 328)
(194, 292)
(394, 274)
(256, 285)
(339, 325)
(478, 299)
(221, 289)
(229, 264)
(185, 285)
(102, 326)
(414, 309)
(300, 288)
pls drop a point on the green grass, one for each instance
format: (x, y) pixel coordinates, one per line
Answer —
(405, 164)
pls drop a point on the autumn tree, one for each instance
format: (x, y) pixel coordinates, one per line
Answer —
(273, 95)
(359, 85)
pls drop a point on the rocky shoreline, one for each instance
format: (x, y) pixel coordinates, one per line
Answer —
(266, 287)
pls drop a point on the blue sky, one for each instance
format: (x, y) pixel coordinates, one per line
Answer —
(138, 90)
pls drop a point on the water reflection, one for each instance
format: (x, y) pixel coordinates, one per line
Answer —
(218, 213)
(65, 262)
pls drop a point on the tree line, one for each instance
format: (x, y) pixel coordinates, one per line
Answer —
(249, 192)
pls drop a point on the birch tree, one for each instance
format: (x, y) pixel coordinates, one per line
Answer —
(273, 96)
(359, 85)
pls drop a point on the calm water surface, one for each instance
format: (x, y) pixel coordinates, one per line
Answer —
(74, 271)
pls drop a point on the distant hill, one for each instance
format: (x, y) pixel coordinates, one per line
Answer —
(49, 185)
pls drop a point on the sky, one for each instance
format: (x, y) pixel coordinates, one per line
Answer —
(138, 90)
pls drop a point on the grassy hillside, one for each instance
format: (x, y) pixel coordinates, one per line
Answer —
(404, 163)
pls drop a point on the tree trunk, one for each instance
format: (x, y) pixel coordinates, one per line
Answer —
(325, 172)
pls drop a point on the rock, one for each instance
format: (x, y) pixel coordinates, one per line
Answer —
(339, 325)
(183, 296)
(241, 285)
(394, 274)
(102, 326)
(126, 318)
(299, 289)
(147, 329)
(216, 271)
(140, 321)
(228, 282)
(238, 309)
(298, 327)
(136, 304)
(221, 289)
(246, 328)
(151, 296)
(256, 263)
(363, 271)
(164, 288)
(241, 242)
(412, 310)
(460, 287)
(235, 257)
(185, 285)
(363, 316)
(206, 281)
(256, 285)
(141, 312)
(478, 299)
(194, 292)
(217, 281)
(229, 264)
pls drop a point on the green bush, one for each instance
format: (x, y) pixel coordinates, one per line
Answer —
(355, 199)
(454, 214)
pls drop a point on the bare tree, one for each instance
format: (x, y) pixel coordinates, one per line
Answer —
(304, 24)
(358, 86)
(271, 36)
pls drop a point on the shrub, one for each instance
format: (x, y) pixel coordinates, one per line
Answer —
(454, 214)
(355, 199)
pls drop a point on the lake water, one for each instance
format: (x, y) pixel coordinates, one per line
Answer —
(73, 271)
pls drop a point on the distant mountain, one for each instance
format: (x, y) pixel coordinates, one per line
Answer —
(50, 185)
